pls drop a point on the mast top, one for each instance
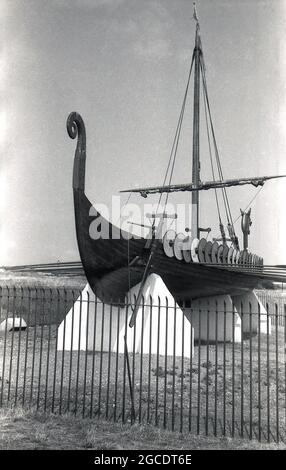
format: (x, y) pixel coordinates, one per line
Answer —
(195, 16)
(198, 44)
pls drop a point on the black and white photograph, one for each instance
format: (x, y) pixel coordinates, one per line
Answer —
(142, 228)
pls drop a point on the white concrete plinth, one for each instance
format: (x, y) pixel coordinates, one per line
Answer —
(11, 324)
(248, 306)
(214, 319)
(90, 325)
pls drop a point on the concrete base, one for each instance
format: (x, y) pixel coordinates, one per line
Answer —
(91, 325)
(11, 324)
(225, 318)
(209, 321)
(247, 303)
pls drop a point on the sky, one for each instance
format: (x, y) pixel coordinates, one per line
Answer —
(123, 64)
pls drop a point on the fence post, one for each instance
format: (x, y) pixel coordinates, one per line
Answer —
(165, 374)
(63, 353)
(241, 376)
(277, 374)
(5, 348)
(233, 368)
(19, 344)
(259, 373)
(149, 360)
(284, 365)
(26, 346)
(86, 352)
(56, 349)
(207, 372)
(157, 361)
(12, 343)
(182, 370)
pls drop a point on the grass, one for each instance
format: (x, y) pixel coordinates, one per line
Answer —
(28, 429)
(41, 280)
(173, 393)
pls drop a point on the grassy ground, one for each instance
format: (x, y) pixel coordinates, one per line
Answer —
(168, 391)
(44, 280)
(21, 429)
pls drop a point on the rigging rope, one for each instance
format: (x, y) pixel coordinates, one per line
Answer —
(174, 149)
(121, 209)
(251, 201)
(211, 157)
(224, 192)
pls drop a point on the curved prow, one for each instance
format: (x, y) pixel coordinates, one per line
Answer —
(76, 128)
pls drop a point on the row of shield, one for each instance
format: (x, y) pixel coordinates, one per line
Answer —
(183, 248)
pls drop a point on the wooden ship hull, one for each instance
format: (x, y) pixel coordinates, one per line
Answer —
(105, 263)
(115, 264)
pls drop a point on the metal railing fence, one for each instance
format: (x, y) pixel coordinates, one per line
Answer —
(215, 371)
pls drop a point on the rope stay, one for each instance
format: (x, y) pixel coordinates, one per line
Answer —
(250, 202)
(174, 149)
(230, 223)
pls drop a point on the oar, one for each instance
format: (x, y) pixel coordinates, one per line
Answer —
(142, 285)
(153, 247)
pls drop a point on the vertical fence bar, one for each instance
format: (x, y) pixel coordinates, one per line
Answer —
(19, 345)
(233, 370)
(5, 347)
(48, 351)
(191, 375)
(250, 370)
(165, 374)
(277, 372)
(149, 361)
(34, 348)
(108, 361)
(182, 371)
(284, 308)
(199, 373)
(134, 355)
(101, 359)
(78, 352)
(268, 374)
(56, 349)
(174, 365)
(157, 362)
(63, 353)
(141, 361)
(216, 367)
(259, 372)
(124, 365)
(12, 343)
(207, 372)
(1, 297)
(71, 352)
(241, 376)
(41, 347)
(86, 352)
(93, 357)
(1, 319)
(224, 366)
(116, 364)
(26, 347)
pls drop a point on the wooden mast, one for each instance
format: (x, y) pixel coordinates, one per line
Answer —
(196, 134)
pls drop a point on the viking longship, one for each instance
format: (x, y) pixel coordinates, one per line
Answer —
(190, 265)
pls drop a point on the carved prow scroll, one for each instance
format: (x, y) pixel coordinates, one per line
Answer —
(76, 128)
